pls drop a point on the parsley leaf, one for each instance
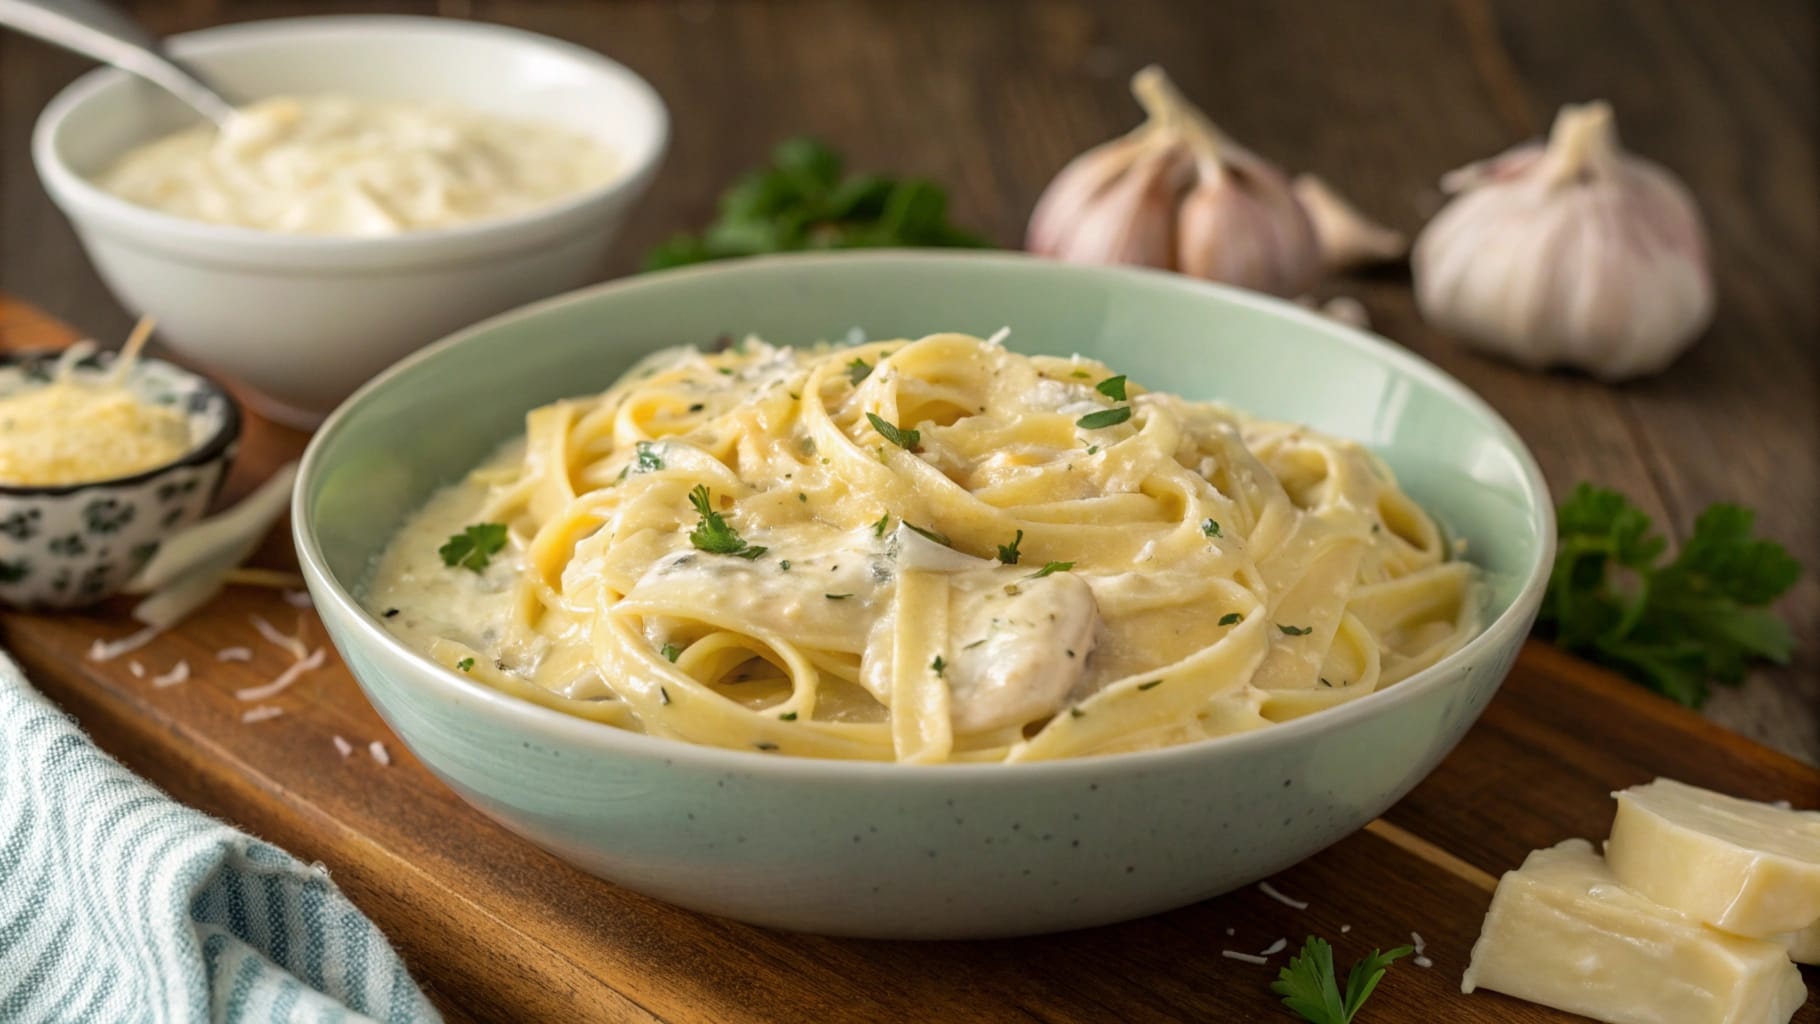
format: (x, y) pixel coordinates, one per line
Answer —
(938, 666)
(712, 534)
(1210, 527)
(1310, 987)
(1295, 630)
(1104, 418)
(671, 652)
(1050, 568)
(1231, 617)
(474, 547)
(858, 370)
(939, 538)
(878, 528)
(465, 664)
(648, 459)
(802, 200)
(1007, 553)
(1674, 627)
(1112, 387)
(905, 439)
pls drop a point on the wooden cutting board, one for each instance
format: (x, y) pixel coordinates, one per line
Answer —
(496, 929)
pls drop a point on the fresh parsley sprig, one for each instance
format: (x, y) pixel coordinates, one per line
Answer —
(1008, 553)
(1310, 987)
(712, 534)
(1675, 626)
(474, 547)
(802, 200)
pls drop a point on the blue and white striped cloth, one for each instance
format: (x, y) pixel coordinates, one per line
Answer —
(118, 904)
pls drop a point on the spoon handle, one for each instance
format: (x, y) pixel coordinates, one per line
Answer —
(95, 29)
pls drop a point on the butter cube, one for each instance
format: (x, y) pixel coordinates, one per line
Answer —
(1564, 933)
(1746, 867)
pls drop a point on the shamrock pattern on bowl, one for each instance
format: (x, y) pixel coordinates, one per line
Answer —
(72, 545)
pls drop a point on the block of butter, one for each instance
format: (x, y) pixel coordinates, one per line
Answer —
(1562, 932)
(1746, 867)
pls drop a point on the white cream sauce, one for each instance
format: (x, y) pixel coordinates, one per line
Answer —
(340, 165)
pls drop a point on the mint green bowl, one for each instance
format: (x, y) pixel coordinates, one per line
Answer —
(884, 850)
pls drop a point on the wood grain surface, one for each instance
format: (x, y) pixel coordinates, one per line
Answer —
(498, 930)
(1380, 98)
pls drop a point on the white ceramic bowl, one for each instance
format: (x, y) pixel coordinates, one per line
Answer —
(304, 320)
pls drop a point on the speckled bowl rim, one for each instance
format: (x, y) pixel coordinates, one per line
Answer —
(615, 742)
(208, 451)
(67, 185)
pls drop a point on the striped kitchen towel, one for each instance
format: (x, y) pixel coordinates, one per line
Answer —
(118, 904)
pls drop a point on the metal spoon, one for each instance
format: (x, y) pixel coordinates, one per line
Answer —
(94, 29)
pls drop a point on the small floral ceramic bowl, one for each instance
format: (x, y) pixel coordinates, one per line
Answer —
(71, 545)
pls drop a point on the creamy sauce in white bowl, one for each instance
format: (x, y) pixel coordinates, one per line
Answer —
(341, 165)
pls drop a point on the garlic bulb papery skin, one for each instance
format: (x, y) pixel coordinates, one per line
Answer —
(1178, 194)
(1348, 238)
(1574, 253)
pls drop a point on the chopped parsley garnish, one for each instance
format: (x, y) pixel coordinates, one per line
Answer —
(788, 716)
(1093, 449)
(1310, 987)
(1050, 569)
(938, 666)
(1104, 418)
(1325, 683)
(1080, 373)
(1677, 625)
(939, 538)
(1076, 713)
(905, 439)
(878, 528)
(728, 370)
(837, 597)
(1112, 387)
(465, 664)
(974, 644)
(697, 407)
(784, 565)
(1231, 617)
(648, 459)
(800, 496)
(474, 547)
(1210, 527)
(1007, 553)
(1295, 630)
(712, 534)
(858, 370)
(1150, 685)
(672, 652)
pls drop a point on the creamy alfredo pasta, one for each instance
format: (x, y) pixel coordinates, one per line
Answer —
(337, 165)
(923, 551)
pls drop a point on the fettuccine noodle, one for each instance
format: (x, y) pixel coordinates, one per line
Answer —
(926, 551)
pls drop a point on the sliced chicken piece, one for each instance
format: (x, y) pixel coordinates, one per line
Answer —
(1020, 645)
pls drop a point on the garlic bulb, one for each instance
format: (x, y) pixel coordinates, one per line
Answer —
(1574, 253)
(1177, 193)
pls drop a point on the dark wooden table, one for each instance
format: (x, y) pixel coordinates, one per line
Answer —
(990, 98)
